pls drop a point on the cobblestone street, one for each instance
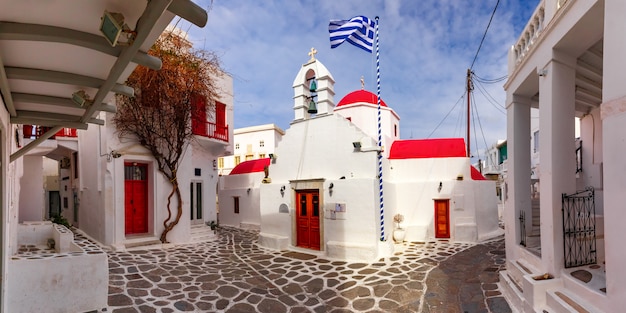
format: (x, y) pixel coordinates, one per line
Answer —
(232, 274)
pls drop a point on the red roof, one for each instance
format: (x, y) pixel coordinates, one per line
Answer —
(428, 148)
(476, 175)
(361, 96)
(251, 166)
(432, 148)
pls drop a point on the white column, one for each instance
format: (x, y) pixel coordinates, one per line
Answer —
(614, 150)
(518, 173)
(557, 153)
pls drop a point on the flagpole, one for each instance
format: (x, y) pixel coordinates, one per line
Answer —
(380, 143)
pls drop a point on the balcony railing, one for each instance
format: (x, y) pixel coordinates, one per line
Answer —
(211, 130)
(34, 132)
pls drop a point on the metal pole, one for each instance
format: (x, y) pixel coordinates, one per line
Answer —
(380, 143)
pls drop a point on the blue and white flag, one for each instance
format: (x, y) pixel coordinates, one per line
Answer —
(358, 31)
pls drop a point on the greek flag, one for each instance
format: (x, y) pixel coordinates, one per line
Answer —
(358, 31)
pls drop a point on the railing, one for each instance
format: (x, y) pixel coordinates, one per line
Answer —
(211, 130)
(531, 32)
(579, 228)
(34, 132)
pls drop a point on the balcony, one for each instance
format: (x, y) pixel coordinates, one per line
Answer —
(34, 132)
(211, 130)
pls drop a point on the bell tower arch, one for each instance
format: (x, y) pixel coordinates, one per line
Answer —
(313, 90)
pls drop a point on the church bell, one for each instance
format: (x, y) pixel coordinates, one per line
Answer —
(312, 107)
(313, 86)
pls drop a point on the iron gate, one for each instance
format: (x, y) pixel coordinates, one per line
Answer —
(579, 228)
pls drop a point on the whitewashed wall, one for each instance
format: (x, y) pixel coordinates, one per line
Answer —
(249, 201)
(306, 157)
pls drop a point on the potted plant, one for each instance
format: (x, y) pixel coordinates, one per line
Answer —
(213, 224)
(398, 232)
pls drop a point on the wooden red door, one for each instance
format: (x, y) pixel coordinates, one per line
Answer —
(308, 219)
(136, 198)
(198, 116)
(442, 218)
(220, 120)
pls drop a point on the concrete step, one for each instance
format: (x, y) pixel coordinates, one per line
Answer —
(202, 233)
(561, 301)
(141, 242)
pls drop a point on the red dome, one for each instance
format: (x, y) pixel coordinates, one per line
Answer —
(361, 96)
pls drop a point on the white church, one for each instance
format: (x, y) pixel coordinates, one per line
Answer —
(319, 192)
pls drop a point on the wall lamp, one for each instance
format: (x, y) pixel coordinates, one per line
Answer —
(282, 191)
(81, 98)
(112, 26)
(273, 157)
(440, 186)
(356, 145)
(330, 188)
(112, 155)
(248, 191)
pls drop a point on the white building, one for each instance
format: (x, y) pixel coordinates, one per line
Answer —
(251, 143)
(567, 64)
(49, 51)
(322, 196)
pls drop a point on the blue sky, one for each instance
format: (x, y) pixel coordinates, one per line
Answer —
(426, 47)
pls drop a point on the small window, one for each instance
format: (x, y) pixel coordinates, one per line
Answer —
(249, 157)
(262, 143)
(220, 163)
(261, 155)
(236, 204)
(236, 146)
(395, 130)
(237, 160)
(536, 141)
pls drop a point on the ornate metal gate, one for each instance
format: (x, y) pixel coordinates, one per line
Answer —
(579, 228)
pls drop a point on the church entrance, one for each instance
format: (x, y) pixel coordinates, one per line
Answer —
(308, 219)
(442, 218)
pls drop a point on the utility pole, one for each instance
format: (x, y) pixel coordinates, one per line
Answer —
(469, 92)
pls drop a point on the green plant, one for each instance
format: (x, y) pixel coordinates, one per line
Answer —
(213, 224)
(60, 219)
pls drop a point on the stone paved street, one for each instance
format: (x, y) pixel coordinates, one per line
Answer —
(232, 274)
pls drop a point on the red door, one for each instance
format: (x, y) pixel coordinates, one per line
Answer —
(198, 116)
(136, 198)
(220, 120)
(442, 218)
(308, 219)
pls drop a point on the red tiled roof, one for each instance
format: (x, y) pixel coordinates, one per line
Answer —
(428, 148)
(251, 166)
(361, 96)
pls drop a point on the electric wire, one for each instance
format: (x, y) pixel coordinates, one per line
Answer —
(483, 133)
(485, 34)
(489, 81)
(490, 99)
(446, 116)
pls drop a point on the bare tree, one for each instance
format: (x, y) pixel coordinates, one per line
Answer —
(159, 115)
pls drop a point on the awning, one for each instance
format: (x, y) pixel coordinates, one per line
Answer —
(50, 50)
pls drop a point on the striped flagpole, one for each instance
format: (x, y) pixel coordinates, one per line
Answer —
(380, 141)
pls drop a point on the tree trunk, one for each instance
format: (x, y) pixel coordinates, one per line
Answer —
(166, 223)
